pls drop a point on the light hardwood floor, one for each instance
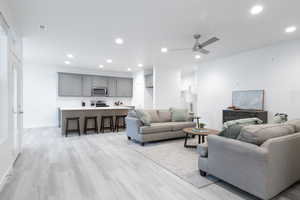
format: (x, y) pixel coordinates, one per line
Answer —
(96, 167)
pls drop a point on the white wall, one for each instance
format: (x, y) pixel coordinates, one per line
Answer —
(41, 101)
(142, 96)
(166, 93)
(7, 150)
(276, 69)
(138, 89)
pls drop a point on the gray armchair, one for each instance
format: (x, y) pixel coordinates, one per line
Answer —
(263, 171)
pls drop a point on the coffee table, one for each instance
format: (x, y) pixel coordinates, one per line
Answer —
(201, 135)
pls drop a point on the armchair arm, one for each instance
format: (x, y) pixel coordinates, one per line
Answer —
(284, 163)
(133, 127)
(241, 164)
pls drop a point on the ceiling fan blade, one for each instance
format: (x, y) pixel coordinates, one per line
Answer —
(210, 41)
(204, 51)
(182, 49)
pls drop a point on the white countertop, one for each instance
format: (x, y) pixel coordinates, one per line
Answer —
(96, 108)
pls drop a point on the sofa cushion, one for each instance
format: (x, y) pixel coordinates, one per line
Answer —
(144, 117)
(164, 115)
(177, 126)
(246, 121)
(258, 134)
(179, 115)
(156, 128)
(232, 131)
(295, 123)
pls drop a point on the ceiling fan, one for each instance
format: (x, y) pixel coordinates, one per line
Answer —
(199, 47)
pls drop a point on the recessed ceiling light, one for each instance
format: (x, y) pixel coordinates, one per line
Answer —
(119, 41)
(67, 62)
(109, 60)
(290, 29)
(129, 69)
(164, 50)
(197, 56)
(101, 66)
(255, 10)
(140, 65)
(70, 55)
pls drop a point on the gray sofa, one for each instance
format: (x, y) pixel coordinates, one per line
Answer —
(263, 171)
(161, 128)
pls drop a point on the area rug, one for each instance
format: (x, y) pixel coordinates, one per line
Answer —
(173, 156)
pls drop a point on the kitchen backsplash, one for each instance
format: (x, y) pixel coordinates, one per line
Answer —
(76, 101)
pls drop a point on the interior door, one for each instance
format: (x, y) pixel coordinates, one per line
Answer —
(17, 106)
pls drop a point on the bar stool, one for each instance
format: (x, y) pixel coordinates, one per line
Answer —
(120, 118)
(110, 118)
(68, 130)
(86, 121)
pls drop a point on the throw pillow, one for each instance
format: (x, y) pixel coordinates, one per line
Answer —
(179, 115)
(232, 131)
(153, 115)
(258, 134)
(278, 119)
(144, 117)
(246, 121)
(164, 115)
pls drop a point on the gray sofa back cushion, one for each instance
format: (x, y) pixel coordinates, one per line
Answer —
(258, 134)
(295, 123)
(164, 115)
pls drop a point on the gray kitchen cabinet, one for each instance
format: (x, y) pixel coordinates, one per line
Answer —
(87, 85)
(112, 87)
(124, 87)
(69, 85)
(149, 81)
(99, 82)
(77, 85)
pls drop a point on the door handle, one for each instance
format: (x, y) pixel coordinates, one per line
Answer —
(21, 112)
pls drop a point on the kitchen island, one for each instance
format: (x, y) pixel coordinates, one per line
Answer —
(82, 112)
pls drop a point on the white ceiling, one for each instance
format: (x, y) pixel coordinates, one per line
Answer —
(87, 29)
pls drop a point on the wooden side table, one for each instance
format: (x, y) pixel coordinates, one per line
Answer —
(201, 135)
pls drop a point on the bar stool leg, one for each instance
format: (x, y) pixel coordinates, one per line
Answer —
(96, 125)
(112, 124)
(67, 125)
(78, 126)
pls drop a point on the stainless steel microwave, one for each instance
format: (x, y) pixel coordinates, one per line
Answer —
(99, 92)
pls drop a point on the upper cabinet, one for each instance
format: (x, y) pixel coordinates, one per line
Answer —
(100, 81)
(75, 85)
(124, 87)
(149, 81)
(87, 85)
(112, 87)
(69, 85)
